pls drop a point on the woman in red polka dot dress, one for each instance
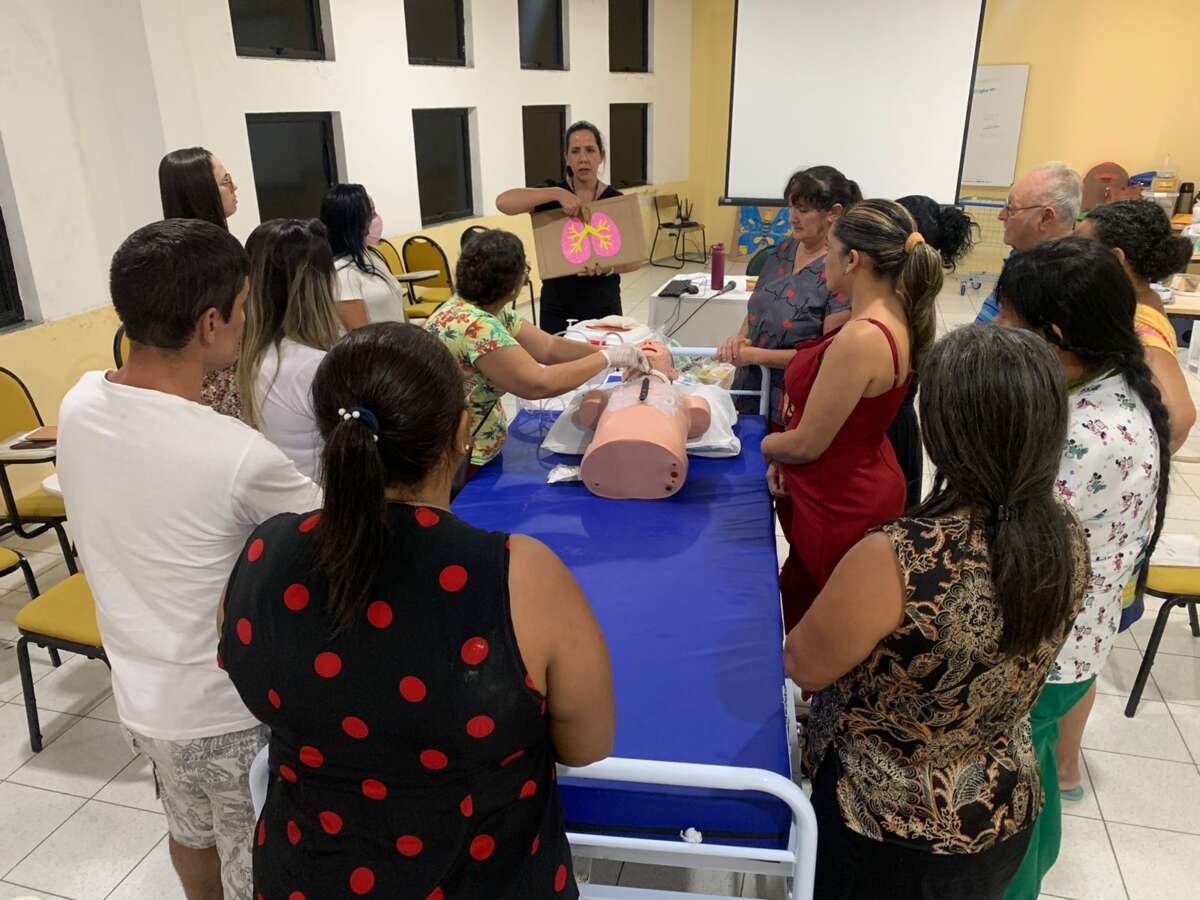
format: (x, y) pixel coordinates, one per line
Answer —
(420, 677)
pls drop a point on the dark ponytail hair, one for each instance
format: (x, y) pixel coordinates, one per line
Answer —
(994, 420)
(1075, 294)
(188, 188)
(880, 229)
(1141, 229)
(821, 188)
(581, 125)
(407, 380)
(948, 229)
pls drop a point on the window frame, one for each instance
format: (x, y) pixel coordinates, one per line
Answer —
(12, 311)
(562, 130)
(645, 41)
(460, 62)
(645, 165)
(329, 141)
(463, 112)
(318, 20)
(560, 43)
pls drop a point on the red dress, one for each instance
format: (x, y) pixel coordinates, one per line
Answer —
(854, 486)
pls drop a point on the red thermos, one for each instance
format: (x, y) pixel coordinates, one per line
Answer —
(718, 267)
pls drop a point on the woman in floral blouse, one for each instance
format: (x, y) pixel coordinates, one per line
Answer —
(499, 352)
(931, 641)
(1113, 473)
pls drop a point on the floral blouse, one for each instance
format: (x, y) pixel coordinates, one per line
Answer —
(931, 731)
(1109, 477)
(469, 333)
(220, 391)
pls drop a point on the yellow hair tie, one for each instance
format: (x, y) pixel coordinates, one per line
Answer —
(913, 239)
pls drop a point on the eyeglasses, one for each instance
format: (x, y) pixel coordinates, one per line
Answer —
(1010, 210)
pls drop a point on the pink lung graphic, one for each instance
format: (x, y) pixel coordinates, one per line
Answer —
(605, 238)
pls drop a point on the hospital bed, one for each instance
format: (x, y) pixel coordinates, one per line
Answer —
(686, 592)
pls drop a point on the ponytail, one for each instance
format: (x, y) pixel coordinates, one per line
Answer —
(918, 285)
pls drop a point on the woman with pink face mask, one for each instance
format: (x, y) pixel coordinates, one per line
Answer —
(367, 292)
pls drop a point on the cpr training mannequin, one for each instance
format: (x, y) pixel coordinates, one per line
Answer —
(642, 428)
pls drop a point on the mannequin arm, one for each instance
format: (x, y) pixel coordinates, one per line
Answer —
(699, 416)
(591, 409)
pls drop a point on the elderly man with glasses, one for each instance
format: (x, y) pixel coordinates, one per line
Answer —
(1041, 206)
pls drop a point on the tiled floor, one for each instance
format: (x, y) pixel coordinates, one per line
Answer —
(80, 820)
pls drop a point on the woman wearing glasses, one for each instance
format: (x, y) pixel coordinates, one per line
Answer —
(194, 184)
(499, 352)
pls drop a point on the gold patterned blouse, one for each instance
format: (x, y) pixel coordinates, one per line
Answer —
(931, 730)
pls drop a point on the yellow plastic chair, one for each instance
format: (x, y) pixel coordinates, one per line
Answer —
(38, 511)
(1177, 586)
(391, 256)
(63, 618)
(419, 253)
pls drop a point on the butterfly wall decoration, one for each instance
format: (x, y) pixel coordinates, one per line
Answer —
(756, 231)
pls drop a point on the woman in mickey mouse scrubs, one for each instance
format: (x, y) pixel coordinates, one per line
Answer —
(597, 292)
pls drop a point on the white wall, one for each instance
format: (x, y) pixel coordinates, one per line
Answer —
(92, 94)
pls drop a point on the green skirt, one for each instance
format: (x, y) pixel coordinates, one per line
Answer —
(1055, 702)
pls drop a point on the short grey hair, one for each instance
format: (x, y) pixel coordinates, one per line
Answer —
(1062, 190)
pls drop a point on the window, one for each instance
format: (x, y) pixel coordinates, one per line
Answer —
(629, 35)
(294, 162)
(627, 125)
(443, 144)
(543, 128)
(11, 311)
(436, 34)
(287, 28)
(541, 27)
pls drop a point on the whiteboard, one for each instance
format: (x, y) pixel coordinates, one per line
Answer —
(994, 128)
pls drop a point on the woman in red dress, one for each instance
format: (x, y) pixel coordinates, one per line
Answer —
(841, 393)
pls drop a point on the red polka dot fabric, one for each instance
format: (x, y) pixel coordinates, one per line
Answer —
(409, 751)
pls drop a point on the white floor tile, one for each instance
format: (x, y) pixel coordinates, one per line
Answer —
(106, 709)
(45, 571)
(89, 855)
(1177, 677)
(1086, 868)
(1119, 672)
(30, 815)
(14, 737)
(1151, 733)
(1087, 807)
(10, 675)
(1187, 720)
(1157, 865)
(1177, 638)
(74, 687)
(133, 786)
(665, 878)
(154, 877)
(1150, 792)
(81, 762)
(17, 892)
(1125, 641)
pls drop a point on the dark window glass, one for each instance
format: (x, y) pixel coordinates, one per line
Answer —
(543, 128)
(629, 35)
(541, 33)
(294, 162)
(11, 311)
(435, 32)
(627, 137)
(288, 28)
(443, 145)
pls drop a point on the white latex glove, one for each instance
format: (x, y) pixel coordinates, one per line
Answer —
(626, 356)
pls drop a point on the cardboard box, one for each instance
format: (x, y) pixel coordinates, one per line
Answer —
(613, 237)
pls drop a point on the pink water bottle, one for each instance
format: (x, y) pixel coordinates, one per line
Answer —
(718, 267)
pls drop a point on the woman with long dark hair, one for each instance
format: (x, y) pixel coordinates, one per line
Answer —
(930, 643)
(834, 461)
(194, 184)
(597, 291)
(420, 677)
(367, 292)
(950, 231)
(291, 322)
(1113, 473)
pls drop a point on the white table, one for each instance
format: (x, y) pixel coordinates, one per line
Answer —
(419, 275)
(8, 454)
(712, 319)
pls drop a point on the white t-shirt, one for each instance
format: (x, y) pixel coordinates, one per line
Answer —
(379, 291)
(162, 494)
(283, 399)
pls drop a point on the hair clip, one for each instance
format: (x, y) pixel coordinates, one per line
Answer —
(362, 414)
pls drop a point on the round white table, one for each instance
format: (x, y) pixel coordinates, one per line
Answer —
(51, 486)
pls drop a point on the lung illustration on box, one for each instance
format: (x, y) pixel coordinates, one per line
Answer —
(613, 233)
(604, 233)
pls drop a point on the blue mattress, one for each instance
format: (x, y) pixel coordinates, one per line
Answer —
(686, 592)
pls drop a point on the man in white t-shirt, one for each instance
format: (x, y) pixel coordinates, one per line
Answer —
(162, 493)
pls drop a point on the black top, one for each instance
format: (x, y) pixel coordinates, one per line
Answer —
(578, 296)
(410, 755)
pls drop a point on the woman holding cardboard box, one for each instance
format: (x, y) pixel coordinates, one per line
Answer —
(597, 291)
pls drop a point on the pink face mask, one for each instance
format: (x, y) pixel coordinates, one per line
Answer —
(375, 230)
